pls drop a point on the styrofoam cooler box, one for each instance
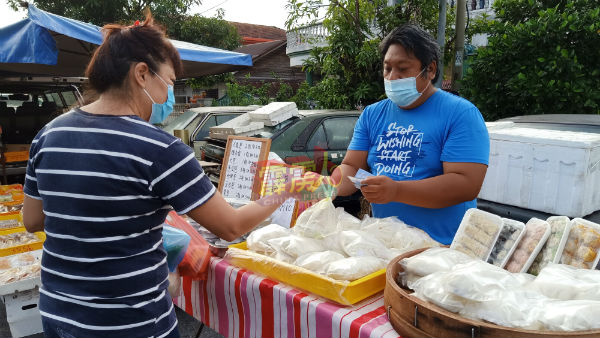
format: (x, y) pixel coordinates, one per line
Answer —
(22, 312)
(274, 113)
(553, 171)
(235, 126)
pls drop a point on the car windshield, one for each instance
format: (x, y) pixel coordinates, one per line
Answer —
(268, 131)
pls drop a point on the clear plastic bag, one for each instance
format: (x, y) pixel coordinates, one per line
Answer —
(175, 242)
(566, 282)
(353, 268)
(361, 243)
(318, 261)
(434, 260)
(295, 246)
(383, 228)
(198, 254)
(258, 239)
(318, 221)
(346, 221)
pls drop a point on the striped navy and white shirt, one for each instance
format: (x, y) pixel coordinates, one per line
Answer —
(107, 183)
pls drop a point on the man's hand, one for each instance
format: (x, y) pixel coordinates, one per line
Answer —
(379, 189)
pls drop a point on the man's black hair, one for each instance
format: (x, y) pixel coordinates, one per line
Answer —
(416, 41)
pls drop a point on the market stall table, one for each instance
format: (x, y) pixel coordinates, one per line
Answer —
(238, 303)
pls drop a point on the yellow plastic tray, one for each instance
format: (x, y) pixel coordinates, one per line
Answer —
(24, 247)
(12, 215)
(342, 292)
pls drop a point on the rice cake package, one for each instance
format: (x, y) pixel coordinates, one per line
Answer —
(477, 233)
(510, 236)
(583, 245)
(560, 227)
(536, 234)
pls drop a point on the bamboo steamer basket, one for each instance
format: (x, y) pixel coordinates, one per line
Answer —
(414, 317)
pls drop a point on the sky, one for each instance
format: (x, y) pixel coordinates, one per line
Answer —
(259, 12)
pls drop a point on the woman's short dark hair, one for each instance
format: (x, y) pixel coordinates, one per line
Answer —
(417, 41)
(122, 46)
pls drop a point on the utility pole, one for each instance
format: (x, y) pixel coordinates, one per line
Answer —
(441, 39)
(459, 46)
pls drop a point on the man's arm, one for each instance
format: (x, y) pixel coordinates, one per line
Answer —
(460, 182)
(353, 161)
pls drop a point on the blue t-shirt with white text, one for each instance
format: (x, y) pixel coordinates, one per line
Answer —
(413, 144)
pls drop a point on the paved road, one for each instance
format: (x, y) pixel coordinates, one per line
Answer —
(188, 326)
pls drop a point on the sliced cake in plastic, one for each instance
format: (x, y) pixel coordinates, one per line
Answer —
(536, 234)
(583, 245)
(552, 250)
(510, 236)
(477, 233)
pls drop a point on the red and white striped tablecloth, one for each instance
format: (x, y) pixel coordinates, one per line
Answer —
(239, 303)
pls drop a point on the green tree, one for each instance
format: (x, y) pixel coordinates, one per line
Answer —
(350, 65)
(542, 57)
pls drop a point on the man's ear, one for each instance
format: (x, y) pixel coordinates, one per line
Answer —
(140, 73)
(431, 70)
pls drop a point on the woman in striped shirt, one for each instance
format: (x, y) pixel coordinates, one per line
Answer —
(100, 182)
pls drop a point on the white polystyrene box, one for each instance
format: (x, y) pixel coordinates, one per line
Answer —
(554, 171)
(22, 313)
(274, 113)
(235, 126)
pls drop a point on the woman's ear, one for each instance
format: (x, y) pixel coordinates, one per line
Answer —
(140, 73)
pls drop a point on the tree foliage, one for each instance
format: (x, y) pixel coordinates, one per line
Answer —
(542, 57)
(173, 15)
(350, 64)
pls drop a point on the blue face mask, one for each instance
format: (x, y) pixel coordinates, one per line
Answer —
(403, 92)
(160, 111)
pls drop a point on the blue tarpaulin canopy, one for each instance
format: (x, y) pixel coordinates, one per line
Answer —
(49, 44)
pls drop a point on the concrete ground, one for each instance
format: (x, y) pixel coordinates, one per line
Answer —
(188, 326)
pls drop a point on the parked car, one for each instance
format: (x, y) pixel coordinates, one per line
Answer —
(26, 105)
(196, 123)
(315, 139)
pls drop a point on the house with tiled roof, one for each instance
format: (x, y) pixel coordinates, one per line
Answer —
(270, 63)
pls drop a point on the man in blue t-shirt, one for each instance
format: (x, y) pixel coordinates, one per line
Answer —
(427, 149)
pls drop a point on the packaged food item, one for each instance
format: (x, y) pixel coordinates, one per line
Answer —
(258, 239)
(411, 238)
(295, 246)
(20, 266)
(383, 228)
(353, 268)
(536, 234)
(318, 221)
(510, 235)
(565, 282)
(17, 238)
(477, 233)
(583, 245)
(361, 243)
(560, 227)
(10, 223)
(318, 261)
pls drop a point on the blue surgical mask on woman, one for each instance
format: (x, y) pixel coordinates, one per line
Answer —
(403, 92)
(160, 111)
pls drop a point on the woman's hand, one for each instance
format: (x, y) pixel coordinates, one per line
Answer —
(379, 189)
